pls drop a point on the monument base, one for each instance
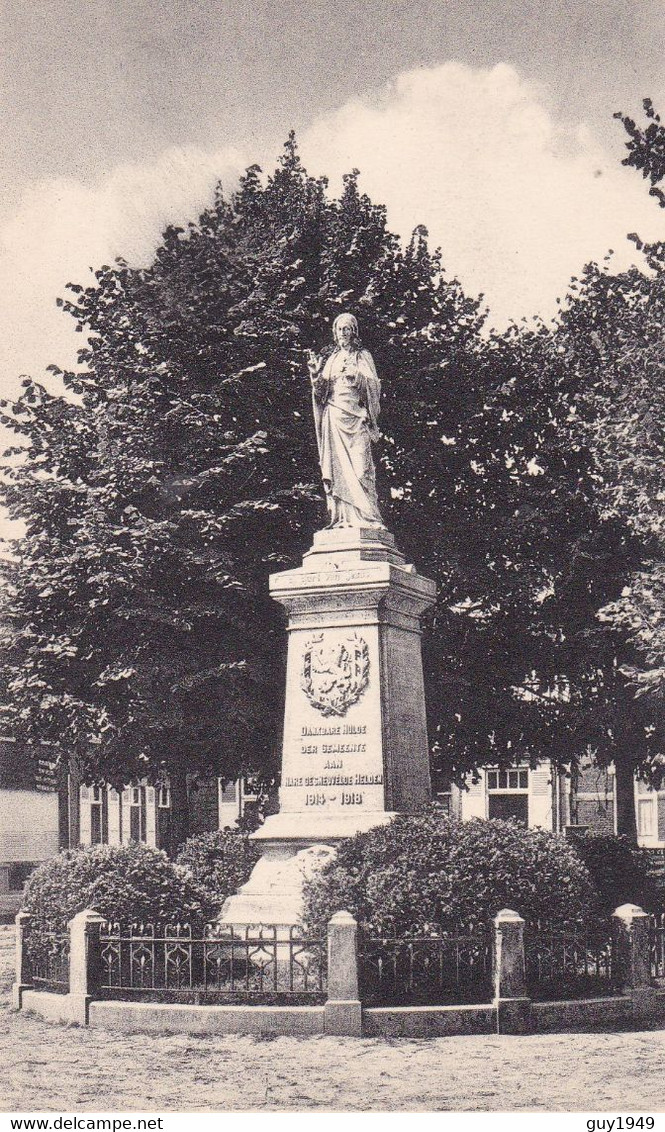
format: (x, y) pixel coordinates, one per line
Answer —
(273, 893)
(355, 749)
(295, 848)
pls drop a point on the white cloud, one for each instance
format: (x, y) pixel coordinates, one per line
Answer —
(517, 202)
(62, 228)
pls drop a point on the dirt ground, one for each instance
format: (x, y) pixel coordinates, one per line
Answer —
(53, 1068)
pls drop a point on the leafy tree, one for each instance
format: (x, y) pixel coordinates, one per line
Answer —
(646, 148)
(622, 320)
(608, 341)
(180, 470)
(526, 555)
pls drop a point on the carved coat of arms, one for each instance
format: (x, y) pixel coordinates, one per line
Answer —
(335, 671)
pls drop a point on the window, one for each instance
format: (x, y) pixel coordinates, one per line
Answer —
(228, 792)
(98, 831)
(163, 798)
(249, 790)
(445, 800)
(137, 814)
(508, 794)
(508, 780)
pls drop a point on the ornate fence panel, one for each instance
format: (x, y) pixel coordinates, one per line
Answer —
(427, 970)
(657, 945)
(47, 959)
(570, 963)
(260, 963)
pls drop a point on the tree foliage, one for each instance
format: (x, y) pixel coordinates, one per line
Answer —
(612, 334)
(180, 469)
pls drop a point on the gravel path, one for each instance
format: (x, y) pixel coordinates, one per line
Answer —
(66, 1069)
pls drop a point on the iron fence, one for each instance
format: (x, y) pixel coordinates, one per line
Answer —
(657, 945)
(570, 963)
(428, 970)
(259, 963)
(46, 959)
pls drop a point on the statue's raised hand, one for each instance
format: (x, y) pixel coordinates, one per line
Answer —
(314, 363)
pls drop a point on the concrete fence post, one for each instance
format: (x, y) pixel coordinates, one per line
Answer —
(343, 1010)
(22, 973)
(510, 997)
(84, 962)
(631, 947)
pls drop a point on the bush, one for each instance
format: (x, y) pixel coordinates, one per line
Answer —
(218, 862)
(126, 883)
(619, 871)
(420, 874)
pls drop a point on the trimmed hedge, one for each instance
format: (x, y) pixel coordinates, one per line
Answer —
(618, 869)
(422, 874)
(128, 883)
(218, 862)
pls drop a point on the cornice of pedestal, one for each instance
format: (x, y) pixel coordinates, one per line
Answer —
(309, 829)
(376, 592)
(354, 575)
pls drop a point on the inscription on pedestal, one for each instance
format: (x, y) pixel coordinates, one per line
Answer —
(333, 750)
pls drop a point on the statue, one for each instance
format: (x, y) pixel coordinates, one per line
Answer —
(346, 392)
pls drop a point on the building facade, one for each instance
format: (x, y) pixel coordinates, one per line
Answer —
(41, 812)
(143, 813)
(542, 797)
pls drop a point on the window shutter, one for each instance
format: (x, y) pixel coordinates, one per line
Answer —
(540, 797)
(540, 783)
(474, 800)
(114, 816)
(646, 813)
(150, 817)
(86, 824)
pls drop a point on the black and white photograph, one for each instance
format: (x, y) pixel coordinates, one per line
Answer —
(332, 561)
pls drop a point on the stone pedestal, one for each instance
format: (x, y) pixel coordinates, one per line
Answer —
(355, 748)
(513, 1008)
(632, 956)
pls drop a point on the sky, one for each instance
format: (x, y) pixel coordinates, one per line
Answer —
(489, 121)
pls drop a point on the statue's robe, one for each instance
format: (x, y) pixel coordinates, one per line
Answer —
(346, 398)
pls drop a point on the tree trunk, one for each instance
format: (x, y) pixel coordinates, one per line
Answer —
(625, 796)
(179, 825)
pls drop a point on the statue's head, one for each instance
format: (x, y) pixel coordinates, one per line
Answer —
(345, 329)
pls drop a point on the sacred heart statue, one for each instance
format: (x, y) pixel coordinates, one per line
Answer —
(335, 671)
